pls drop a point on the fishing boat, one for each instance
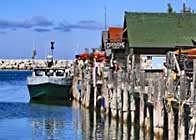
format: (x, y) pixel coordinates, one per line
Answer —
(50, 82)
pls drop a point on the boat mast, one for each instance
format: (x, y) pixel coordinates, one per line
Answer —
(105, 14)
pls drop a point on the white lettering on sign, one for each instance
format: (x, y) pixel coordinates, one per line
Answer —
(116, 45)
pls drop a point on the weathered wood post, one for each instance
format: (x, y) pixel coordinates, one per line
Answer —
(125, 130)
(75, 91)
(149, 102)
(151, 120)
(119, 103)
(171, 125)
(114, 104)
(137, 114)
(76, 79)
(132, 107)
(105, 101)
(87, 97)
(114, 124)
(131, 98)
(94, 83)
(175, 108)
(183, 91)
(192, 130)
(183, 86)
(142, 94)
(193, 94)
(94, 122)
(108, 93)
(187, 111)
(125, 107)
(158, 117)
(169, 97)
(86, 86)
(165, 120)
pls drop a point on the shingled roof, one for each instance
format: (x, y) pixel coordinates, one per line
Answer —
(159, 30)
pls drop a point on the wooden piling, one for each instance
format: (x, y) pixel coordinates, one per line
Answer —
(132, 107)
(171, 125)
(87, 96)
(142, 97)
(114, 104)
(183, 86)
(187, 112)
(165, 120)
(136, 96)
(125, 107)
(158, 116)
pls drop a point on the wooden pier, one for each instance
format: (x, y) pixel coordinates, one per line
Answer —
(120, 81)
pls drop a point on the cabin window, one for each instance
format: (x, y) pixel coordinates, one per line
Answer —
(49, 73)
(39, 73)
(59, 73)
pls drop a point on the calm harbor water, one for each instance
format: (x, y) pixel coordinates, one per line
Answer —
(22, 120)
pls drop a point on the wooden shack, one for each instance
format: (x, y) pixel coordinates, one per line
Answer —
(157, 33)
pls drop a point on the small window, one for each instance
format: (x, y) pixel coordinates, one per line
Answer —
(39, 73)
(49, 73)
(59, 73)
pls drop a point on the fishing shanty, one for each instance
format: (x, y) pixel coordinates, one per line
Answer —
(144, 74)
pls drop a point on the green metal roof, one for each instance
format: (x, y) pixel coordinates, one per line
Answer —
(160, 30)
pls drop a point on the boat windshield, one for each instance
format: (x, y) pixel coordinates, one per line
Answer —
(49, 72)
(39, 72)
(60, 73)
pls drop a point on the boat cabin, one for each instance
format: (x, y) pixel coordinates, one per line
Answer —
(51, 72)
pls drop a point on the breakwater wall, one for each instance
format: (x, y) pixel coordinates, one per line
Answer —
(29, 64)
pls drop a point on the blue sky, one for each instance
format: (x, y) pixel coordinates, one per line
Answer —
(72, 24)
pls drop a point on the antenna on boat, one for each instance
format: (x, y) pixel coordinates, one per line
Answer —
(34, 52)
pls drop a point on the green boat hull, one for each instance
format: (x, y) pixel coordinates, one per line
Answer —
(49, 91)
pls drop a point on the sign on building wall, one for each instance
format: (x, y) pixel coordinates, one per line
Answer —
(115, 45)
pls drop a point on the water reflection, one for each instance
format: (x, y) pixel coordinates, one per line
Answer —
(54, 122)
(47, 129)
(62, 122)
(96, 126)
